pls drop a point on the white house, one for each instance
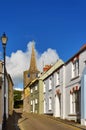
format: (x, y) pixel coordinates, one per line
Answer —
(64, 89)
(50, 86)
(73, 73)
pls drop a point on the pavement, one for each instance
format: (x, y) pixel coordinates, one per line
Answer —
(72, 123)
(12, 122)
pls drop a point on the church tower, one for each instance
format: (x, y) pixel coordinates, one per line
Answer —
(28, 76)
(32, 73)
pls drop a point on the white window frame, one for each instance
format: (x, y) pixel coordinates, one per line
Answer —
(50, 103)
(57, 78)
(36, 87)
(31, 90)
(31, 102)
(44, 105)
(75, 68)
(36, 101)
(74, 102)
(44, 87)
(50, 83)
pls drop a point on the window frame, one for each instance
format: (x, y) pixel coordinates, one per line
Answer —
(36, 87)
(57, 78)
(50, 103)
(31, 90)
(36, 101)
(75, 68)
(50, 83)
(74, 102)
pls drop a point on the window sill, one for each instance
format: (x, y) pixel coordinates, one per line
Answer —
(50, 89)
(75, 78)
(57, 85)
(74, 114)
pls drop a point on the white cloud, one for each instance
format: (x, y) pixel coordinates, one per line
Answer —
(19, 89)
(19, 62)
(48, 57)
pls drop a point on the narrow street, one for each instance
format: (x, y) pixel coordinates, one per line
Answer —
(19, 121)
(40, 122)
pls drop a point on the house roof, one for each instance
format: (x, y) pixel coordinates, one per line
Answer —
(35, 80)
(57, 65)
(83, 48)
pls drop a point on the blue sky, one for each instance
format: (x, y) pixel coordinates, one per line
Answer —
(56, 24)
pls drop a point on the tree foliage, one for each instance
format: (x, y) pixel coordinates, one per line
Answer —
(17, 98)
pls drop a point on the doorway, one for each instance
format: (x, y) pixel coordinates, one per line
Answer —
(57, 105)
(33, 106)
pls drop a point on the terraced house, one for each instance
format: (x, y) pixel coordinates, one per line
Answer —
(49, 87)
(61, 90)
(75, 99)
(64, 94)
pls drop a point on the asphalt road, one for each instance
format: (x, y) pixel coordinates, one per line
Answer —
(40, 122)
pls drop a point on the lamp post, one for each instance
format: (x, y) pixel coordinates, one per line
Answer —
(4, 41)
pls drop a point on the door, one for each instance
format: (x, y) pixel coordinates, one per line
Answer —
(44, 106)
(57, 106)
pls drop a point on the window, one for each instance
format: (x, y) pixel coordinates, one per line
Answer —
(44, 87)
(31, 90)
(50, 103)
(28, 75)
(50, 83)
(31, 102)
(74, 100)
(36, 101)
(36, 87)
(75, 68)
(44, 105)
(57, 78)
(74, 103)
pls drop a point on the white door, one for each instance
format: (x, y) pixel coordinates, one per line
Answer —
(57, 108)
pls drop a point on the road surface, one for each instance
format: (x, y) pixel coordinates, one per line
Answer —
(40, 122)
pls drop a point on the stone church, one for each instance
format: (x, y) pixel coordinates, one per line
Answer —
(28, 76)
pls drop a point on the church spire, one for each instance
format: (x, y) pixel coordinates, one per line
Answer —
(33, 66)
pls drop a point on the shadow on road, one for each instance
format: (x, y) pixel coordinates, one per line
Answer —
(12, 121)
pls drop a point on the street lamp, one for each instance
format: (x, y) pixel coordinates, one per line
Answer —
(4, 41)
